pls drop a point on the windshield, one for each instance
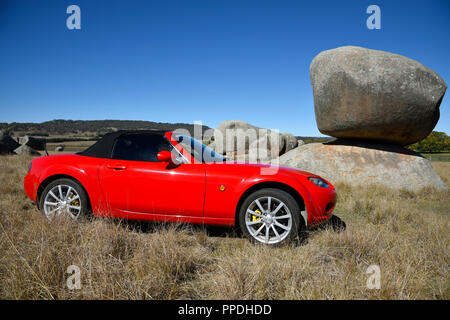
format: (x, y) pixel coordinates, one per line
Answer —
(198, 150)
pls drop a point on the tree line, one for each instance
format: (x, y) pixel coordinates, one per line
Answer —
(435, 142)
(67, 127)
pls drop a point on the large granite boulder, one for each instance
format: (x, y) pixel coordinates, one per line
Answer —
(375, 95)
(361, 164)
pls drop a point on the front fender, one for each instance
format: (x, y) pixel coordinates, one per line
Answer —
(228, 184)
(281, 178)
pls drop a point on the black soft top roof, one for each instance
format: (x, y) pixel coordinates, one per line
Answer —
(103, 148)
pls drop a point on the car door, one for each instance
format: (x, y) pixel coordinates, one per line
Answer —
(133, 181)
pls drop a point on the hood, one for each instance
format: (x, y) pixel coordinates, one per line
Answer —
(281, 169)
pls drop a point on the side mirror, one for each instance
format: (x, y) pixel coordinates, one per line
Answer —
(164, 156)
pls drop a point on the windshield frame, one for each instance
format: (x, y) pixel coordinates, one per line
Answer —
(192, 155)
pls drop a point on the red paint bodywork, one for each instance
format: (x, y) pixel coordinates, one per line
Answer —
(189, 192)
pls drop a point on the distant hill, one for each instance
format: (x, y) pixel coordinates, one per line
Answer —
(94, 127)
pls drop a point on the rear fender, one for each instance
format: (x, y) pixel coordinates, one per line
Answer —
(84, 177)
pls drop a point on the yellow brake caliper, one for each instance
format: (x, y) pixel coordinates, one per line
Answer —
(256, 218)
(75, 203)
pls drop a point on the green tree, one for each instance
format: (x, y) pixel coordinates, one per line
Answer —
(435, 142)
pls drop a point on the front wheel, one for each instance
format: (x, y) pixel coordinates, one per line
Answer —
(270, 216)
(64, 196)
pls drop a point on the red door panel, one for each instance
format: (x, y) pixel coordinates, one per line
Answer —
(153, 187)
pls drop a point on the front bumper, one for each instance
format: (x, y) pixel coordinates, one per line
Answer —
(30, 186)
(324, 201)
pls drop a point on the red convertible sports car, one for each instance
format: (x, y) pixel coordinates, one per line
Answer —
(166, 176)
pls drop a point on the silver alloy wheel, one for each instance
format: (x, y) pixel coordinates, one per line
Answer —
(62, 199)
(268, 220)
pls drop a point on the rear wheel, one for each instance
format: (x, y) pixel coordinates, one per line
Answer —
(270, 216)
(64, 196)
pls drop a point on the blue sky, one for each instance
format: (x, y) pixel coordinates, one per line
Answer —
(209, 60)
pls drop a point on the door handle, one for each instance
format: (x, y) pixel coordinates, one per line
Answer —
(116, 166)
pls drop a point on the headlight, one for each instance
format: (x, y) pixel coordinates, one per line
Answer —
(319, 182)
(29, 167)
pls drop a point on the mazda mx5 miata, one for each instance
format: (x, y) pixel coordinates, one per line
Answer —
(167, 176)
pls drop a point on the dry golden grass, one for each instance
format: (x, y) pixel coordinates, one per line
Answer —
(405, 233)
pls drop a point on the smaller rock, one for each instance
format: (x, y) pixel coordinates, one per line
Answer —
(257, 155)
(26, 150)
(35, 143)
(290, 142)
(264, 144)
(7, 144)
(231, 135)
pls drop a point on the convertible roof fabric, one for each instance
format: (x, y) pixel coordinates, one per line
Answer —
(103, 148)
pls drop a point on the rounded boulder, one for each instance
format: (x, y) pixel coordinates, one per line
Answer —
(374, 95)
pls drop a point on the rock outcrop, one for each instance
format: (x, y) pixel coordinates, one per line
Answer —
(362, 163)
(35, 143)
(236, 139)
(23, 145)
(374, 102)
(374, 95)
(26, 150)
(7, 144)
(290, 142)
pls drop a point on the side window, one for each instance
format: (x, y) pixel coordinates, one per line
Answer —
(140, 147)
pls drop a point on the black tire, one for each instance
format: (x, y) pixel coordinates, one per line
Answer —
(77, 189)
(297, 223)
(337, 223)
